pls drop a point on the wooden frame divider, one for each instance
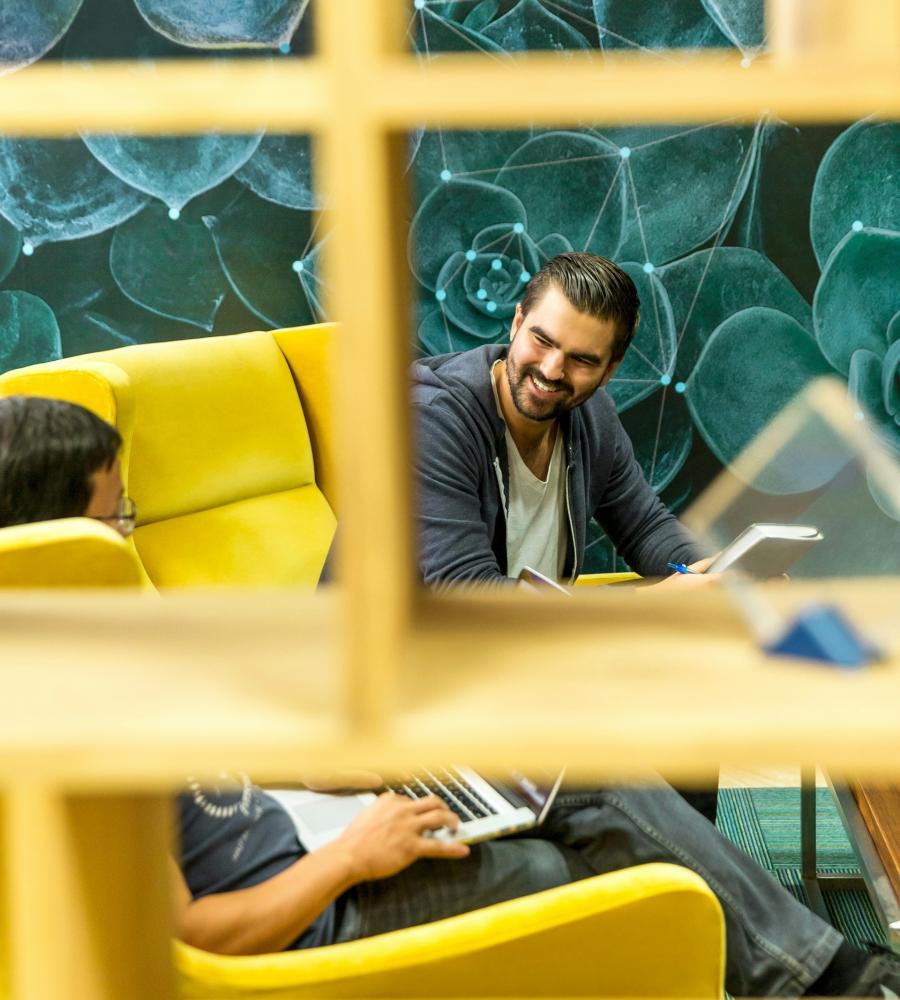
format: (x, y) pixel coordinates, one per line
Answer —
(96, 729)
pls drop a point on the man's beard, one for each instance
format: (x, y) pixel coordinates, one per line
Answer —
(524, 402)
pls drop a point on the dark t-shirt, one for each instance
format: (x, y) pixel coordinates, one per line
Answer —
(234, 836)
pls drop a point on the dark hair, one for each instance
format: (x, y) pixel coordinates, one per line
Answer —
(48, 451)
(593, 285)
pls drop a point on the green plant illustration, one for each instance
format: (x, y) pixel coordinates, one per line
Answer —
(763, 255)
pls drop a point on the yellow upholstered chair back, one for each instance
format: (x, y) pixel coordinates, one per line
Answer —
(216, 450)
(651, 931)
(70, 552)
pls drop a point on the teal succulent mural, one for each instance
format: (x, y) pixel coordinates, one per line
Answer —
(763, 255)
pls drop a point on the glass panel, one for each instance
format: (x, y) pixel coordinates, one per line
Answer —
(822, 485)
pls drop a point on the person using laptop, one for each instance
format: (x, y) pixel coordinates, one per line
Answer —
(244, 884)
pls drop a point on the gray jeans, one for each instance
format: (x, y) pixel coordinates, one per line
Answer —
(775, 946)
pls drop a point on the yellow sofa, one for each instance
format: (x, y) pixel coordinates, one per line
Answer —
(227, 450)
(650, 931)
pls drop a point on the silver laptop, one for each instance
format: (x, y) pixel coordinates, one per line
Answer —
(486, 808)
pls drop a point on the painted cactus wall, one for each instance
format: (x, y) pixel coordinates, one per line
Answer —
(764, 255)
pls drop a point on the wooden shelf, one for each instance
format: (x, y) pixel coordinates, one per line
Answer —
(130, 690)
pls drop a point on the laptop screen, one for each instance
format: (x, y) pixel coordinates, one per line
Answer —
(537, 789)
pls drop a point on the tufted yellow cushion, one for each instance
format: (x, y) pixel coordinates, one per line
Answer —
(214, 422)
(298, 528)
(310, 351)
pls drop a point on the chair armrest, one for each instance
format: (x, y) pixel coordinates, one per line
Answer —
(652, 930)
(70, 552)
(602, 579)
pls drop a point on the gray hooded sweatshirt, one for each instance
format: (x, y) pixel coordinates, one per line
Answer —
(463, 479)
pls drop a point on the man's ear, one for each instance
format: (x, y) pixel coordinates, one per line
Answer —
(610, 371)
(517, 321)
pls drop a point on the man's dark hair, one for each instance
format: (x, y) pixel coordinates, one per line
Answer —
(48, 452)
(593, 285)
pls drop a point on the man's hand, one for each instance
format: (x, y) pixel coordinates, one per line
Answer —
(389, 836)
(697, 578)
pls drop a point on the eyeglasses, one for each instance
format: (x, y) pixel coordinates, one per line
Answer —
(124, 518)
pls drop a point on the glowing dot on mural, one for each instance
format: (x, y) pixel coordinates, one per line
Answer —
(284, 48)
(496, 264)
(440, 295)
(445, 174)
(27, 249)
(648, 268)
(491, 307)
(665, 379)
(518, 228)
(471, 255)
(481, 294)
(525, 276)
(174, 214)
(860, 416)
(857, 226)
(624, 152)
(746, 62)
(297, 266)
(680, 387)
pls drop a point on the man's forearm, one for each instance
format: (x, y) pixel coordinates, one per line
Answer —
(269, 916)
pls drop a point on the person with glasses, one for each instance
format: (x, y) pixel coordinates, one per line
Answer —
(57, 460)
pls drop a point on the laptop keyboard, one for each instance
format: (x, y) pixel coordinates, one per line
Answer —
(449, 785)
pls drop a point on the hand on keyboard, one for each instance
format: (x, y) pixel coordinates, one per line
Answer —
(449, 786)
(393, 832)
(443, 833)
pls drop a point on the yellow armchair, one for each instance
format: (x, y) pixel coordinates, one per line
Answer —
(226, 450)
(70, 552)
(651, 931)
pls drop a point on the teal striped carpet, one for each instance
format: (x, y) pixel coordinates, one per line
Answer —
(765, 822)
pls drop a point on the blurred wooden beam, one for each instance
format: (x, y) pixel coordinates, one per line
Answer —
(628, 88)
(87, 889)
(361, 173)
(174, 97)
(863, 29)
(399, 92)
(146, 690)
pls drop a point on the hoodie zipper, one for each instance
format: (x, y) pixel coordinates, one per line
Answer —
(499, 473)
(571, 530)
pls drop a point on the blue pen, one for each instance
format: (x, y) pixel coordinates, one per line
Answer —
(680, 568)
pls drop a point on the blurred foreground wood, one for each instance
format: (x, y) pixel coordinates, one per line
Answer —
(111, 699)
(119, 689)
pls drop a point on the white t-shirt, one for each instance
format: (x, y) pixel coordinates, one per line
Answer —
(535, 526)
(536, 521)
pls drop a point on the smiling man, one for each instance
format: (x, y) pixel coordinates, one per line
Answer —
(519, 447)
